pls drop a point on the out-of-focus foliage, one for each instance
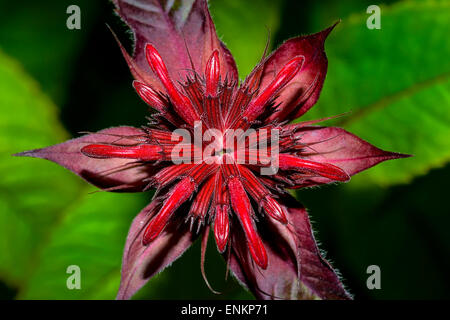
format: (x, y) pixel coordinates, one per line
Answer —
(32, 195)
(396, 83)
(48, 219)
(88, 234)
(395, 80)
(245, 27)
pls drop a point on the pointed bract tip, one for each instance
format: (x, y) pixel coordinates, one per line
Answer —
(21, 154)
(326, 32)
(396, 155)
(388, 155)
(29, 153)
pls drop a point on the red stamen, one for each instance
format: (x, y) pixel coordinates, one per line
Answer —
(181, 103)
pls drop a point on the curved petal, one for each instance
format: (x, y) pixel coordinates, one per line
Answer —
(296, 270)
(140, 262)
(304, 89)
(114, 174)
(181, 31)
(342, 149)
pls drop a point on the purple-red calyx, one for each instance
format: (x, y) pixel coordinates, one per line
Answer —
(189, 78)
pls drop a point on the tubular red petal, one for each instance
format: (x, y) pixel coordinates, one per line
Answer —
(150, 96)
(221, 219)
(262, 195)
(242, 207)
(201, 172)
(240, 102)
(226, 94)
(221, 227)
(256, 107)
(252, 184)
(179, 194)
(181, 103)
(200, 205)
(212, 73)
(144, 152)
(170, 174)
(194, 91)
(213, 113)
(289, 162)
(273, 209)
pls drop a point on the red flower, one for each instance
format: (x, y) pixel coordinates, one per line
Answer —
(188, 76)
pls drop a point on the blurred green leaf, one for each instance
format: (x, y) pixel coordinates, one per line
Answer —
(396, 81)
(32, 193)
(48, 220)
(91, 234)
(244, 26)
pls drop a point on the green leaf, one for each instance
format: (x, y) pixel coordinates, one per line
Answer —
(91, 235)
(396, 82)
(31, 192)
(48, 219)
(244, 26)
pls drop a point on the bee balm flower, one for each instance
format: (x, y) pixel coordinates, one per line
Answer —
(189, 78)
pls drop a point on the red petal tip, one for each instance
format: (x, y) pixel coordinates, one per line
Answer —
(150, 96)
(181, 103)
(258, 252)
(242, 208)
(221, 227)
(274, 210)
(212, 73)
(286, 74)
